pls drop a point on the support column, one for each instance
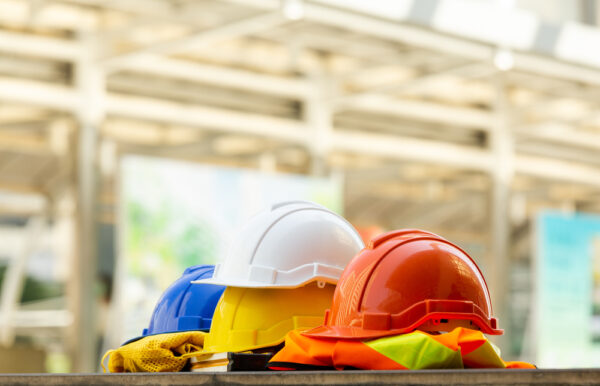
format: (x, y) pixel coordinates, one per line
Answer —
(502, 173)
(90, 81)
(319, 118)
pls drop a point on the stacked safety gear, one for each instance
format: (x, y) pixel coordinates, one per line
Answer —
(280, 275)
(403, 281)
(181, 319)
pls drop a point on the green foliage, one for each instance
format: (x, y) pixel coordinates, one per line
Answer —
(195, 244)
(35, 289)
(168, 232)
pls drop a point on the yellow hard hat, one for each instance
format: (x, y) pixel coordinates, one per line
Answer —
(250, 318)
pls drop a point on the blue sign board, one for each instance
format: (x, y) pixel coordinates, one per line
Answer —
(567, 305)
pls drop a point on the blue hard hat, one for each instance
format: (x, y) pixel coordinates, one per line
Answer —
(185, 306)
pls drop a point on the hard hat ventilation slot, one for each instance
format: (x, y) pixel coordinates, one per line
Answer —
(321, 284)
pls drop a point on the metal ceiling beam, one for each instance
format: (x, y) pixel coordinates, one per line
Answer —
(67, 50)
(218, 75)
(394, 31)
(557, 170)
(578, 155)
(39, 46)
(436, 215)
(157, 11)
(207, 117)
(420, 110)
(51, 15)
(20, 188)
(227, 31)
(66, 99)
(26, 203)
(385, 124)
(39, 94)
(191, 93)
(392, 146)
(297, 132)
(20, 67)
(344, 45)
(449, 18)
(25, 144)
(428, 38)
(561, 134)
(465, 71)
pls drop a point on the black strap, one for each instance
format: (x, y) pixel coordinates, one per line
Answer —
(298, 366)
(248, 362)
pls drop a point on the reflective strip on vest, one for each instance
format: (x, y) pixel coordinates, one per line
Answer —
(460, 348)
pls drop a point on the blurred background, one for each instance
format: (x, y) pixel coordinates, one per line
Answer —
(135, 135)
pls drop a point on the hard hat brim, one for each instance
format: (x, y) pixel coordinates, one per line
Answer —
(256, 284)
(206, 330)
(337, 332)
(348, 332)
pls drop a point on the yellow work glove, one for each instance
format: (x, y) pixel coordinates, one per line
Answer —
(155, 353)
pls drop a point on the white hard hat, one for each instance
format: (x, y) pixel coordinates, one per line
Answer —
(288, 245)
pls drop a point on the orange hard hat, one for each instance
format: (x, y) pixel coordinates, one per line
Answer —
(406, 280)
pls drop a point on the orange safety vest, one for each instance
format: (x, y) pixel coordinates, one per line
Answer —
(461, 348)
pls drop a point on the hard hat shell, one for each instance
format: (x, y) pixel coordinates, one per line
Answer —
(184, 306)
(406, 280)
(252, 318)
(288, 245)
